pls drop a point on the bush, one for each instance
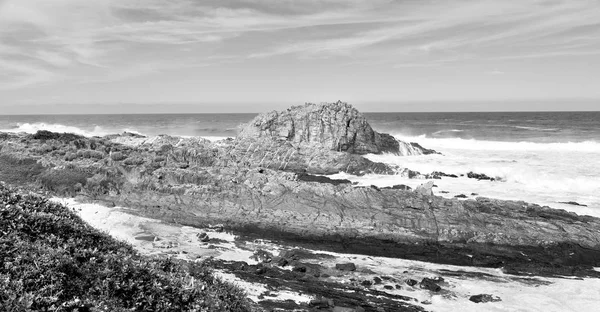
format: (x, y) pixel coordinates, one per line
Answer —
(117, 156)
(19, 170)
(53, 261)
(134, 161)
(63, 181)
(90, 154)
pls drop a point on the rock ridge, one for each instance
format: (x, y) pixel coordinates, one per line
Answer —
(335, 126)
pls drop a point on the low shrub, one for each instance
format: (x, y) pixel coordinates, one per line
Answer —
(117, 156)
(134, 161)
(90, 154)
(70, 156)
(63, 181)
(53, 261)
(19, 171)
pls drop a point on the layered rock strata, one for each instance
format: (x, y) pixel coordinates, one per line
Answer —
(333, 126)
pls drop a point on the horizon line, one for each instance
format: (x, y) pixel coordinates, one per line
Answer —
(256, 113)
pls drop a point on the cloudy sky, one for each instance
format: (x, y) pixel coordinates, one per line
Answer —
(250, 55)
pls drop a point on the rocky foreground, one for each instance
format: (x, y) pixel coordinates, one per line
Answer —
(267, 183)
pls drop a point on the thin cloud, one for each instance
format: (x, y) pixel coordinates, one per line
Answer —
(45, 41)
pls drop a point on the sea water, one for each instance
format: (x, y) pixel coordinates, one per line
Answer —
(541, 157)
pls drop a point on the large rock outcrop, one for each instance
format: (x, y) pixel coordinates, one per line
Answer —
(260, 184)
(334, 126)
(196, 182)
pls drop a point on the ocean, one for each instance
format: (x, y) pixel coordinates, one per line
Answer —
(546, 158)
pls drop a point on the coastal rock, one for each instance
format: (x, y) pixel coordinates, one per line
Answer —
(345, 266)
(311, 159)
(484, 298)
(425, 189)
(572, 203)
(249, 190)
(479, 176)
(430, 284)
(334, 126)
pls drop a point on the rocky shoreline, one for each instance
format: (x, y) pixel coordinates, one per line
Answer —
(267, 183)
(287, 277)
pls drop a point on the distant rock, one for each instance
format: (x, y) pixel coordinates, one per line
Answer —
(203, 237)
(425, 189)
(573, 203)
(345, 266)
(479, 176)
(430, 284)
(321, 179)
(398, 187)
(335, 126)
(438, 175)
(484, 298)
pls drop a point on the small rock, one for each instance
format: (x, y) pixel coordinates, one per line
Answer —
(425, 189)
(217, 228)
(427, 302)
(366, 283)
(460, 196)
(430, 284)
(345, 266)
(479, 176)
(484, 298)
(321, 303)
(411, 282)
(203, 237)
(282, 262)
(573, 203)
(401, 187)
(388, 287)
(260, 271)
(377, 280)
(301, 269)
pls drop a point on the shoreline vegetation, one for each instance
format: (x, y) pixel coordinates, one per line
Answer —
(54, 261)
(268, 183)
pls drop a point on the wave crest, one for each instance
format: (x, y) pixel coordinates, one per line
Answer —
(441, 144)
(35, 127)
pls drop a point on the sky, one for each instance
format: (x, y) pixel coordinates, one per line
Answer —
(253, 55)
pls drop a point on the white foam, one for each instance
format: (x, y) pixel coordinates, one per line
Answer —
(32, 128)
(471, 144)
(59, 128)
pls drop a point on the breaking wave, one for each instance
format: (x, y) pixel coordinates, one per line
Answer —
(35, 127)
(471, 144)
